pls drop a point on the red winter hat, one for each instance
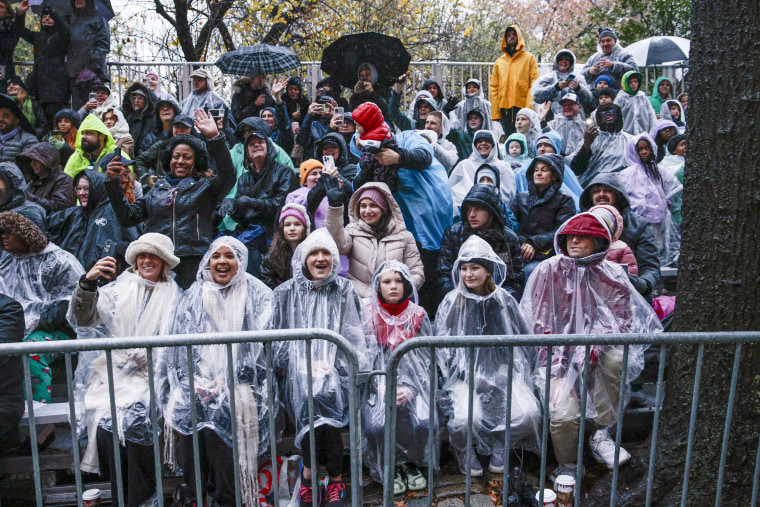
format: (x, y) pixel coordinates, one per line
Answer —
(370, 118)
(585, 224)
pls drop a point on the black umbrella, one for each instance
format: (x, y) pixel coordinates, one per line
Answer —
(342, 58)
(103, 7)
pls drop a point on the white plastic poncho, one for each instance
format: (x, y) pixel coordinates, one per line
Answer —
(465, 313)
(651, 199)
(545, 87)
(608, 155)
(590, 295)
(331, 303)
(39, 280)
(571, 132)
(208, 99)
(638, 115)
(129, 306)
(462, 178)
(243, 304)
(534, 133)
(458, 116)
(394, 325)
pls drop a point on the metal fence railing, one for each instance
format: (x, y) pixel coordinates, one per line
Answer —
(267, 338)
(665, 341)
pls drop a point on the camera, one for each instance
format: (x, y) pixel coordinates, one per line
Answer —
(360, 86)
(216, 113)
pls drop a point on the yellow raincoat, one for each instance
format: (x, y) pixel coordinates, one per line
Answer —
(512, 77)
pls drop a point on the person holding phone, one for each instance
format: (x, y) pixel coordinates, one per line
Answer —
(105, 305)
(563, 76)
(139, 112)
(181, 204)
(611, 60)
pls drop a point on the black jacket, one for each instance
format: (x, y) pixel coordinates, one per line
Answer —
(301, 102)
(260, 195)
(506, 245)
(244, 100)
(140, 124)
(12, 377)
(637, 233)
(16, 199)
(347, 170)
(184, 212)
(90, 43)
(84, 230)
(48, 82)
(8, 41)
(540, 216)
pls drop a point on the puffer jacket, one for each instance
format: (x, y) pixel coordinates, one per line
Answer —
(90, 42)
(507, 249)
(260, 195)
(143, 123)
(84, 230)
(541, 215)
(16, 199)
(363, 249)
(637, 233)
(17, 143)
(54, 190)
(512, 77)
(183, 212)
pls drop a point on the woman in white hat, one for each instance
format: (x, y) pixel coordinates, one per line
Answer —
(135, 303)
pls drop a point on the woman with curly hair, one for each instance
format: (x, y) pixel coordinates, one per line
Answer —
(181, 205)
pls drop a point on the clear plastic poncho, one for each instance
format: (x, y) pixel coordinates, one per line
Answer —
(462, 178)
(331, 303)
(534, 133)
(458, 116)
(571, 131)
(638, 115)
(413, 417)
(39, 280)
(590, 295)
(651, 199)
(608, 155)
(465, 313)
(128, 306)
(243, 304)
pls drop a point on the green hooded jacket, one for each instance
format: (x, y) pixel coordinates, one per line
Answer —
(655, 98)
(78, 162)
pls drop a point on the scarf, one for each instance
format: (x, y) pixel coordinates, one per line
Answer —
(28, 109)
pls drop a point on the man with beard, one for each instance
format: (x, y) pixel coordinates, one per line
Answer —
(88, 47)
(15, 130)
(94, 140)
(604, 145)
(511, 80)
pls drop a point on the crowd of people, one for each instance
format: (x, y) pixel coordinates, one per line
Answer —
(549, 209)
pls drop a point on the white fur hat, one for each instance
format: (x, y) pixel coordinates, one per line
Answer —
(154, 243)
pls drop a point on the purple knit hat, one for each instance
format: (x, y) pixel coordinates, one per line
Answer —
(293, 209)
(376, 196)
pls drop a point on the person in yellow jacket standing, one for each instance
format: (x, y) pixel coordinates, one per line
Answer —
(512, 78)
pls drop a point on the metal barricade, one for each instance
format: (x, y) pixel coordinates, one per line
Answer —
(665, 340)
(267, 338)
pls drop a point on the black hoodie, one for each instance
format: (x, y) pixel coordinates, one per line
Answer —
(141, 123)
(84, 230)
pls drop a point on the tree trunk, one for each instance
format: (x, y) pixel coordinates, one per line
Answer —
(719, 270)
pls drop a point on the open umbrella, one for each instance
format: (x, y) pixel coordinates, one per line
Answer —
(659, 50)
(342, 58)
(103, 7)
(250, 60)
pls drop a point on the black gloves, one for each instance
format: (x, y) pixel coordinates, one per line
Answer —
(53, 317)
(334, 193)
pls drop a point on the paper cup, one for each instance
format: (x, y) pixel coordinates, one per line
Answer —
(565, 486)
(91, 498)
(550, 498)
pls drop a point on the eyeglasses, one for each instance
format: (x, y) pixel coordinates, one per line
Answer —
(81, 190)
(608, 112)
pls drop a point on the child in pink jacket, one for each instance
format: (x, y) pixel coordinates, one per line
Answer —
(619, 251)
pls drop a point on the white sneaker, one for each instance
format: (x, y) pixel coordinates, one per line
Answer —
(603, 449)
(476, 469)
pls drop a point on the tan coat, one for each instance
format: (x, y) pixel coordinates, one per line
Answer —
(365, 253)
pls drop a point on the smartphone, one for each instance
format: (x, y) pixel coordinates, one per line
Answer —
(108, 251)
(328, 162)
(57, 135)
(117, 153)
(216, 113)
(93, 96)
(339, 111)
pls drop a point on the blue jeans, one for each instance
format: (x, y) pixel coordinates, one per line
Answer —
(529, 267)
